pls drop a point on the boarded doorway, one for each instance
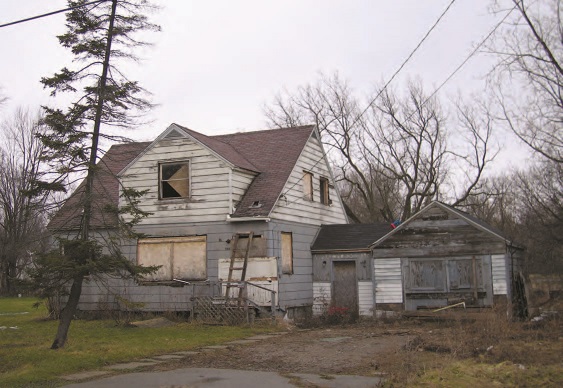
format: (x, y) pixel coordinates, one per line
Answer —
(344, 285)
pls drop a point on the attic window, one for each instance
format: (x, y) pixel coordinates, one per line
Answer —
(325, 191)
(174, 180)
(307, 186)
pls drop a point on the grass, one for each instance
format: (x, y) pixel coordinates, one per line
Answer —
(26, 360)
(488, 352)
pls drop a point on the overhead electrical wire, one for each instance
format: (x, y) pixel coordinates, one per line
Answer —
(448, 78)
(51, 13)
(392, 77)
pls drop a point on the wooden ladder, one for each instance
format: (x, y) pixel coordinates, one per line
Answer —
(234, 269)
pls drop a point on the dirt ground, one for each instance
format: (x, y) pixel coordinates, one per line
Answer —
(401, 350)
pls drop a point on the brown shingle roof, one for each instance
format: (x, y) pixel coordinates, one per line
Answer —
(105, 191)
(349, 237)
(274, 152)
(271, 153)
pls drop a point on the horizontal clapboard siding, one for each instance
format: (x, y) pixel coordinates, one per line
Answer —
(321, 297)
(388, 281)
(211, 195)
(293, 207)
(365, 298)
(499, 274)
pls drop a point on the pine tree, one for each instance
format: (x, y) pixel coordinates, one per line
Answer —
(99, 35)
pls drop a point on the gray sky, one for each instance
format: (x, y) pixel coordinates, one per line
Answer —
(216, 63)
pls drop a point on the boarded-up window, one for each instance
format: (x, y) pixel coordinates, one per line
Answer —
(258, 246)
(174, 180)
(179, 257)
(426, 275)
(287, 252)
(462, 273)
(307, 185)
(324, 191)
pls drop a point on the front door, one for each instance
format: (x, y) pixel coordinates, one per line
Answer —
(345, 285)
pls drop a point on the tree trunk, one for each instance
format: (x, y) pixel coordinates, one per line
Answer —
(68, 312)
(76, 289)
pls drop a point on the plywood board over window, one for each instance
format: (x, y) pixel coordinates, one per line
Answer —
(179, 257)
(287, 252)
(307, 186)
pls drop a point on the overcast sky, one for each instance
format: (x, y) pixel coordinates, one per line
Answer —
(216, 63)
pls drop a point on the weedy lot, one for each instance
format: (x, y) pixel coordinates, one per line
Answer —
(458, 349)
(26, 335)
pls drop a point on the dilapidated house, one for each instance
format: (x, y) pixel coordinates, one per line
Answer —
(438, 257)
(214, 200)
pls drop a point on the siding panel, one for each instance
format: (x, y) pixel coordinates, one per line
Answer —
(388, 281)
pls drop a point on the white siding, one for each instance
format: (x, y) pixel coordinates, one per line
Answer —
(388, 281)
(499, 274)
(294, 207)
(210, 193)
(321, 297)
(365, 298)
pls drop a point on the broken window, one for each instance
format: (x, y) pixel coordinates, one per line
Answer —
(287, 252)
(307, 186)
(174, 180)
(325, 191)
(178, 257)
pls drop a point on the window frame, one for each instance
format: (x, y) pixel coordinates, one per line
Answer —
(286, 268)
(174, 263)
(324, 189)
(308, 190)
(161, 181)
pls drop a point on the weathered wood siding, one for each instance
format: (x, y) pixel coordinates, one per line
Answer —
(296, 289)
(214, 186)
(500, 274)
(365, 298)
(322, 265)
(321, 297)
(294, 207)
(438, 233)
(388, 280)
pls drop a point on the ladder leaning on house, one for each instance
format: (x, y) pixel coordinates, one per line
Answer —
(232, 285)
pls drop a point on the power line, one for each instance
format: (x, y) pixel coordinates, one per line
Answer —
(452, 74)
(392, 77)
(51, 13)
(404, 63)
(471, 54)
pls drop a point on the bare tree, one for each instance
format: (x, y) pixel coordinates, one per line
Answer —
(395, 156)
(528, 77)
(22, 215)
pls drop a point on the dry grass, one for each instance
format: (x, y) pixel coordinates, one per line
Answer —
(479, 349)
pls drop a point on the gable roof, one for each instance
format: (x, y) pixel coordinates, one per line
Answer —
(472, 220)
(349, 237)
(271, 154)
(105, 191)
(274, 152)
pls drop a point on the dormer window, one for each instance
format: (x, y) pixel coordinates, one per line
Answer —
(174, 180)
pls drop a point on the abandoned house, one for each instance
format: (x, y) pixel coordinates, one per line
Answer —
(439, 257)
(242, 207)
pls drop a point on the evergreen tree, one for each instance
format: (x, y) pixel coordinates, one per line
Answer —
(99, 35)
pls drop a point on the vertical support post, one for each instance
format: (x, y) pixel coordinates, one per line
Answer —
(474, 265)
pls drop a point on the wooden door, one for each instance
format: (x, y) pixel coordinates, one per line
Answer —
(345, 285)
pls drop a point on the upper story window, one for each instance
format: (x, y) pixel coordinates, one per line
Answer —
(325, 191)
(174, 180)
(307, 185)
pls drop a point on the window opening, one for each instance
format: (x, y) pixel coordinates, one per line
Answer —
(175, 180)
(307, 186)
(325, 191)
